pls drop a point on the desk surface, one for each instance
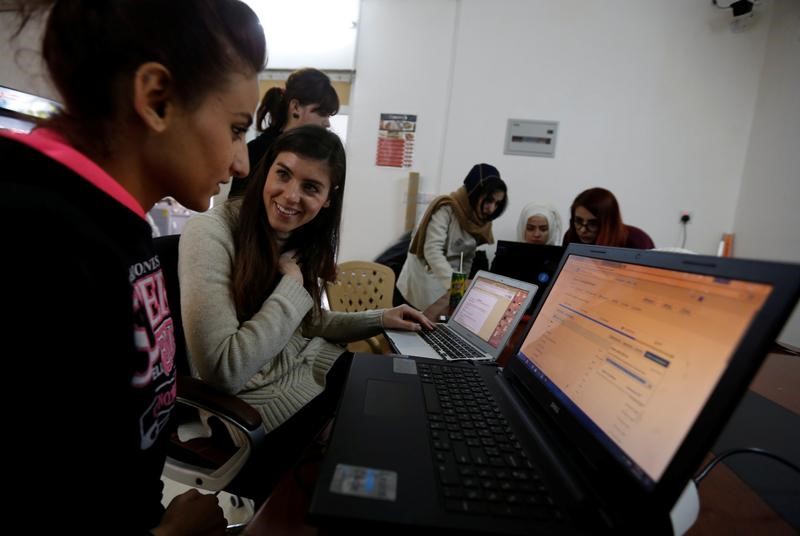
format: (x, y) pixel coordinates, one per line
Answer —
(728, 505)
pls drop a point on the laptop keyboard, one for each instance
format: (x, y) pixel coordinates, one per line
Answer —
(448, 344)
(481, 466)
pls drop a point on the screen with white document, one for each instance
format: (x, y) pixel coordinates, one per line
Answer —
(488, 309)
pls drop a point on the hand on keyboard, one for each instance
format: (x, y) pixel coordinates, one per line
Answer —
(406, 318)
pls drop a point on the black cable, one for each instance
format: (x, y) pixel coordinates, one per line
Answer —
(752, 450)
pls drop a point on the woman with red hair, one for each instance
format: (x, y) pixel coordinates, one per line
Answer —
(595, 219)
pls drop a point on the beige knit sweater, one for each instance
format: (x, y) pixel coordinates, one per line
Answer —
(267, 361)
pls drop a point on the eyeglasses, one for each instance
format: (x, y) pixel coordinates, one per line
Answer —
(590, 225)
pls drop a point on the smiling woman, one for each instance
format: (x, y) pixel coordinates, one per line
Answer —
(294, 202)
(250, 273)
(296, 190)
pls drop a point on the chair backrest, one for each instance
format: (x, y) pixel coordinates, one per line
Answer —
(230, 429)
(395, 255)
(361, 285)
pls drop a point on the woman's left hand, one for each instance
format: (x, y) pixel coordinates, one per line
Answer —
(405, 317)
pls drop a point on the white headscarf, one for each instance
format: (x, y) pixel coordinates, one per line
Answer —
(550, 214)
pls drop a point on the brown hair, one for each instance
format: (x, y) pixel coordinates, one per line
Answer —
(255, 268)
(308, 86)
(92, 49)
(603, 205)
(488, 187)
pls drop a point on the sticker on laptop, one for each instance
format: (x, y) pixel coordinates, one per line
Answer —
(364, 482)
(403, 365)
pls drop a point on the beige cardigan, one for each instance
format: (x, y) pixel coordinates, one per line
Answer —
(267, 361)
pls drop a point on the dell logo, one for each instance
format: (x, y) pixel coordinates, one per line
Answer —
(554, 407)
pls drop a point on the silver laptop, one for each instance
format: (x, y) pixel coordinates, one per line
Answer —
(480, 326)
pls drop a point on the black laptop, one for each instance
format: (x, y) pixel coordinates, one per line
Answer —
(534, 263)
(632, 364)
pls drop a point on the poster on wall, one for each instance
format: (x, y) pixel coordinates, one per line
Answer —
(396, 140)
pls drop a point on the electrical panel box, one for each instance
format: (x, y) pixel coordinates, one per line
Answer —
(531, 138)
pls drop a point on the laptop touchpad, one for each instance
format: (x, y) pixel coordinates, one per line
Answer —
(387, 399)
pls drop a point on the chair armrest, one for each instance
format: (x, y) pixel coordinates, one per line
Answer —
(212, 461)
(197, 393)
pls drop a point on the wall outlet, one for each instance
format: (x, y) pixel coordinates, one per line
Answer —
(686, 217)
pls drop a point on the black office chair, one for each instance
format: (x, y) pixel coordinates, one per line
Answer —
(394, 257)
(215, 434)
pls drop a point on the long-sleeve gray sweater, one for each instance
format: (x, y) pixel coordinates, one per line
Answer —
(267, 360)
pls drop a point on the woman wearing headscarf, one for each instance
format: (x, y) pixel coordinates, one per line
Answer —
(453, 227)
(539, 223)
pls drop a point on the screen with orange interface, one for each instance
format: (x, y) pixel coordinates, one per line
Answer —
(635, 351)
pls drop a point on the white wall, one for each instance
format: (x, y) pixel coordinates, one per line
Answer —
(403, 65)
(767, 222)
(654, 99)
(20, 60)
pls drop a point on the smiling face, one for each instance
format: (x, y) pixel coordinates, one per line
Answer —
(206, 144)
(297, 188)
(537, 230)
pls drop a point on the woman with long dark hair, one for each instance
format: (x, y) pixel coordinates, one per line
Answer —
(595, 218)
(251, 273)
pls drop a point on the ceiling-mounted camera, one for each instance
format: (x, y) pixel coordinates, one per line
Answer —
(742, 11)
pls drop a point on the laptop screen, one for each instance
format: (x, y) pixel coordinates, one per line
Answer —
(534, 263)
(634, 352)
(488, 309)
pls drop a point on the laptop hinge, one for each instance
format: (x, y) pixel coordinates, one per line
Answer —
(546, 446)
(587, 498)
(513, 396)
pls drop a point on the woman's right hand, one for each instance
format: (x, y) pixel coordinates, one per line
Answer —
(192, 513)
(287, 265)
